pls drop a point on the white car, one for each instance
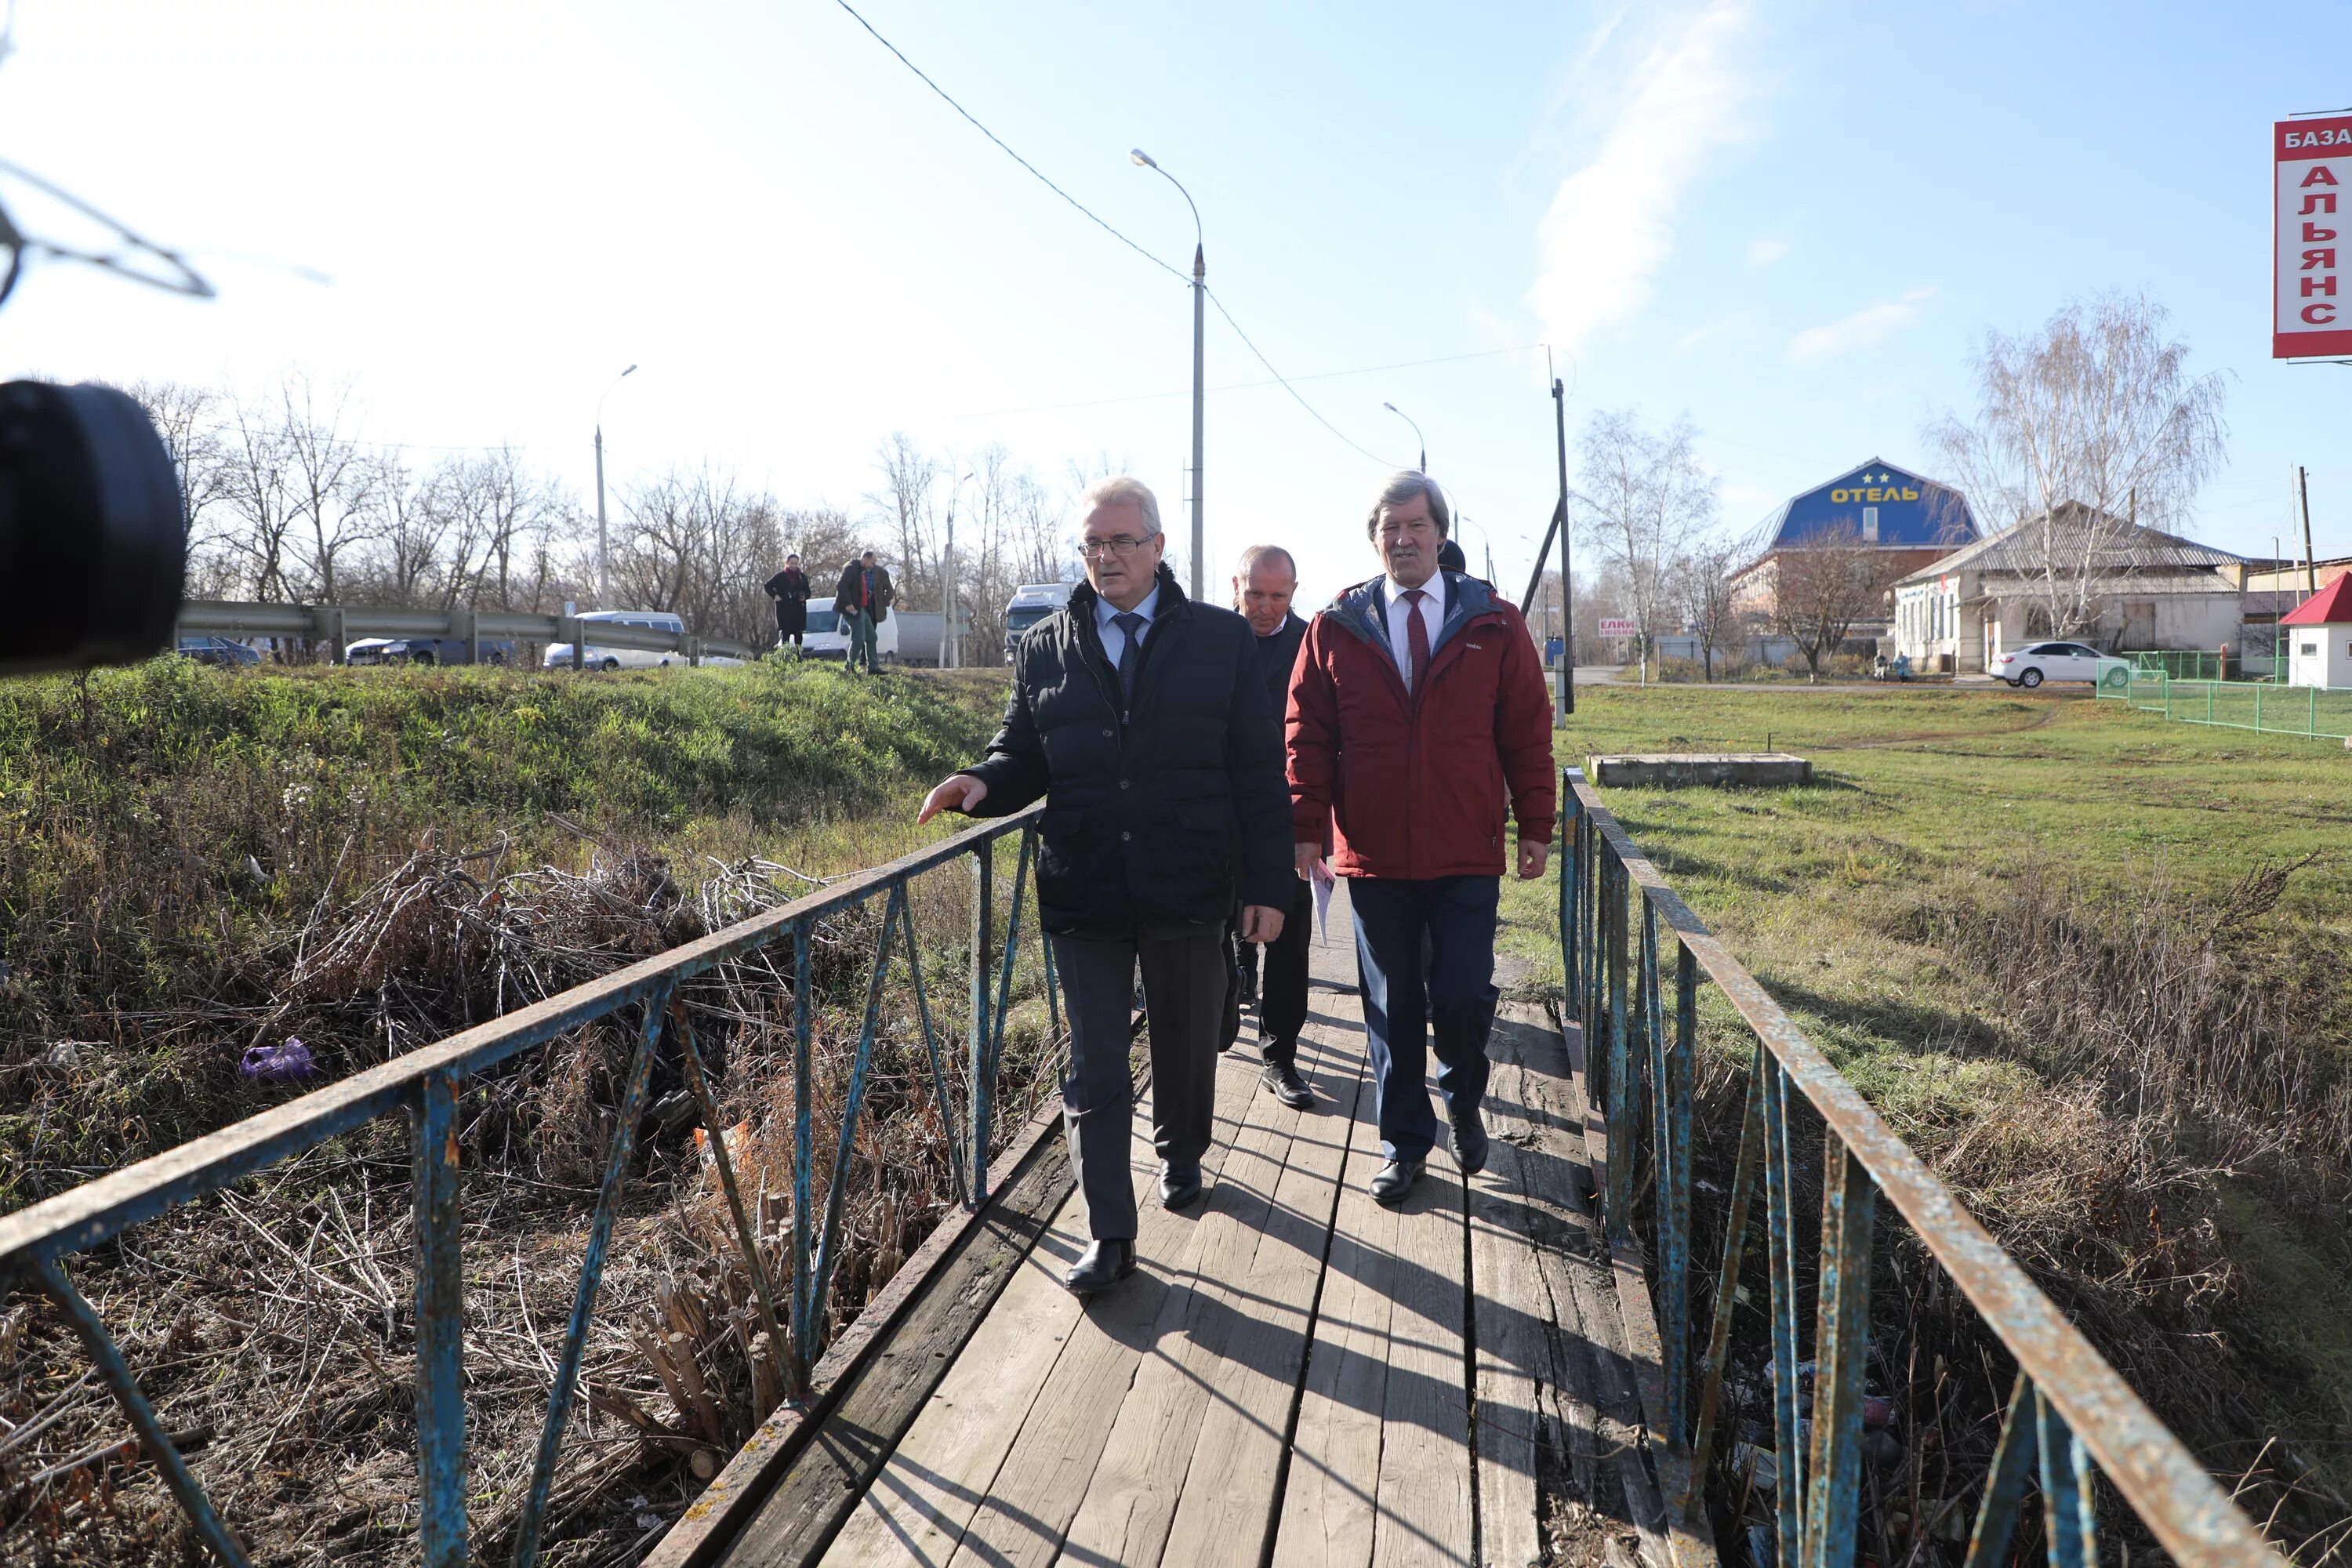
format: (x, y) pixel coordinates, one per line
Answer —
(2036, 662)
(559, 655)
(826, 638)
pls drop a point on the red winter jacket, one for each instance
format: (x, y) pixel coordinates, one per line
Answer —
(1416, 783)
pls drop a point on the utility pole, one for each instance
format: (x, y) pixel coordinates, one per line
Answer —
(604, 558)
(1564, 699)
(2310, 568)
(950, 644)
(1200, 305)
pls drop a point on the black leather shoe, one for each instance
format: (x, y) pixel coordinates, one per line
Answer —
(1395, 1180)
(1101, 1265)
(1470, 1142)
(1178, 1188)
(1283, 1082)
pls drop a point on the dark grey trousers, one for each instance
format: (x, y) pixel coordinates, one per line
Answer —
(1185, 981)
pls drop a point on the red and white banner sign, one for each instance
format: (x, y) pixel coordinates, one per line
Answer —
(1610, 627)
(2311, 312)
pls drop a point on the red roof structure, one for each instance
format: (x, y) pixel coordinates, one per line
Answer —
(2332, 605)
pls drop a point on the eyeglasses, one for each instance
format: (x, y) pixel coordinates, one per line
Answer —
(1118, 545)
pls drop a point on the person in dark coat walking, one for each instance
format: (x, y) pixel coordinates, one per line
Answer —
(1142, 719)
(1417, 710)
(861, 601)
(790, 589)
(1262, 589)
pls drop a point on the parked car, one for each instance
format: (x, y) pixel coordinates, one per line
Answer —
(2036, 662)
(1031, 602)
(426, 651)
(825, 638)
(207, 649)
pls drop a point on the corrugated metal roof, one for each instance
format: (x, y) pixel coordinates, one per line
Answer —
(2078, 537)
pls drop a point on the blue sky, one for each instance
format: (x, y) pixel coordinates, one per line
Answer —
(1792, 223)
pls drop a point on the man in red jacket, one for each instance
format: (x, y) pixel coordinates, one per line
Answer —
(1418, 705)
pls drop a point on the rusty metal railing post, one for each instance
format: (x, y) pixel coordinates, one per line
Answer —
(1842, 1346)
(983, 1069)
(440, 1328)
(1617, 1093)
(803, 1156)
(1675, 1197)
(836, 1191)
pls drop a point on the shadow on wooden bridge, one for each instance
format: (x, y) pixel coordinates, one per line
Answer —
(1294, 1374)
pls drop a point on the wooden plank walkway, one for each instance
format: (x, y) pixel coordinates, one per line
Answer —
(1294, 1375)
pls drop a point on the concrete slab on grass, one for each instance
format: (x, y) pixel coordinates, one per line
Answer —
(1668, 769)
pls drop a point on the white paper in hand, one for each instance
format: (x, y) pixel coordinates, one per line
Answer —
(1323, 885)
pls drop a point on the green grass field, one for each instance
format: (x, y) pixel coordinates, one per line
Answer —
(1934, 810)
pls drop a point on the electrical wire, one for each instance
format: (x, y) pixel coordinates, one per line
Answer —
(1232, 385)
(949, 100)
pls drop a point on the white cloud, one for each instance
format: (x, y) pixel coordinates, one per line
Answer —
(1764, 252)
(1611, 224)
(1866, 327)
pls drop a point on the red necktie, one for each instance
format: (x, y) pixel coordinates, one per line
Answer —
(1416, 636)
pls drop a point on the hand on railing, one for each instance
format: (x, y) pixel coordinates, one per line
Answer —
(957, 792)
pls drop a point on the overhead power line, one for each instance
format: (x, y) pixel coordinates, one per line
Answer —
(1107, 227)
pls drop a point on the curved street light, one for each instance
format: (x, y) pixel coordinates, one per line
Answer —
(1417, 435)
(604, 561)
(1199, 293)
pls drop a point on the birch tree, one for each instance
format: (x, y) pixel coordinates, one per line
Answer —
(2097, 409)
(1644, 499)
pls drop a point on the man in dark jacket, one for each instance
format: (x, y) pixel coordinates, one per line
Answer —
(1262, 589)
(862, 602)
(1141, 717)
(790, 589)
(1417, 708)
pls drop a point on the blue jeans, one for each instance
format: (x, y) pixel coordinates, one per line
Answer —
(1426, 961)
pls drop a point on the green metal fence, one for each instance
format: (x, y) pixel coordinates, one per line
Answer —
(2179, 664)
(2321, 712)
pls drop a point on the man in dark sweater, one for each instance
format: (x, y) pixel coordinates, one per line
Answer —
(1141, 717)
(1262, 588)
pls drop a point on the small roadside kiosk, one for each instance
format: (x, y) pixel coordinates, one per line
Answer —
(2319, 638)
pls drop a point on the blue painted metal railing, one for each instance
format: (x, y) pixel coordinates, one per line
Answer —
(34, 1241)
(1623, 929)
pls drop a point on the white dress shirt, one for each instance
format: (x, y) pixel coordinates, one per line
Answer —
(1431, 610)
(1114, 639)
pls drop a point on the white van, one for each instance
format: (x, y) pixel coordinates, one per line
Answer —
(1030, 604)
(559, 655)
(828, 639)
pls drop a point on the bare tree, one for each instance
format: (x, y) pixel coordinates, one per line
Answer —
(2097, 408)
(330, 477)
(410, 534)
(1644, 499)
(1040, 537)
(258, 490)
(1837, 579)
(909, 504)
(1703, 585)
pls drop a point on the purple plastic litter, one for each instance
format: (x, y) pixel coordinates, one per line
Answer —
(278, 1064)
(1877, 1412)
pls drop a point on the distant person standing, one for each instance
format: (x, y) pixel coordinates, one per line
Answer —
(1262, 588)
(1418, 708)
(790, 589)
(1139, 715)
(861, 600)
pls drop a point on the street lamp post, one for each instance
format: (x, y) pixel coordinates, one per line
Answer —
(603, 559)
(1200, 301)
(1421, 440)
(950, 646)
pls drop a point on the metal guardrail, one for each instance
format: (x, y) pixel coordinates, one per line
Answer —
(1622, 928)
(427, 1082)
(335, 624)
(2314, 713)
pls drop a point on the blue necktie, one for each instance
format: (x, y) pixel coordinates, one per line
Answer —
(1129, 655)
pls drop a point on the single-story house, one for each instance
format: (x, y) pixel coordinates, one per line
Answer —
(2151, 589)
(2319, 636)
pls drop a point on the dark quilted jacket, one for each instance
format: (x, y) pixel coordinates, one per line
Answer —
(1160, 828)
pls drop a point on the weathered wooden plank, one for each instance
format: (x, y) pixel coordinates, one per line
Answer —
(1516, 1333)
(1425, 1466)
(899, 1347)
(1226, 1508)
(918, 1504)
(1038, 1488)
(1131, 1498)
(1331, 1486)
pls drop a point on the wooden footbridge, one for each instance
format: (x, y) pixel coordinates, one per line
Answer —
(1509, 1371)
(1295, 1374)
